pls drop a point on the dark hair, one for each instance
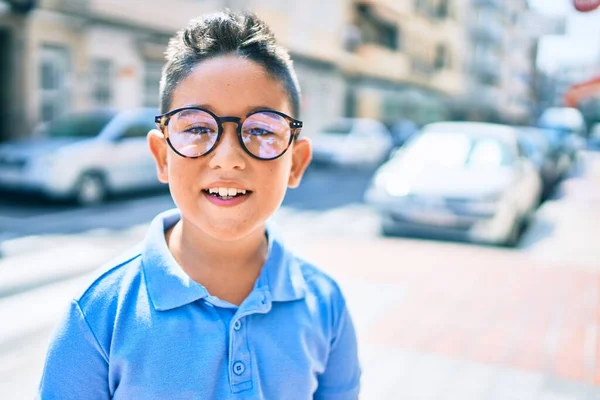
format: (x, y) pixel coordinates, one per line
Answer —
(220, 34)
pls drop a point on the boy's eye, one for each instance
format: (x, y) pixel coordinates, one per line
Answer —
(198, 130)
(259, 132)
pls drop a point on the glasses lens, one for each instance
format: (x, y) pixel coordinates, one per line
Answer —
(193, 132)
(266, 134)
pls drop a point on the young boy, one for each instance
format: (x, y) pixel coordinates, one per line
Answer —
(213, 305)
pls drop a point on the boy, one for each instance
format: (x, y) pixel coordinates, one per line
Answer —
(212, 305)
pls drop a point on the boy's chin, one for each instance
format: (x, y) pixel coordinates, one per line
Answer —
(231, 231)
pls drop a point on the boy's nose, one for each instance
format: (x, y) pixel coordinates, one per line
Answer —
(229, 153)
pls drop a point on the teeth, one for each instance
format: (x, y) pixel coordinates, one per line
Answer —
(226, 192)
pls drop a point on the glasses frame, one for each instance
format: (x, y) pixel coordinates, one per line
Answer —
(162, 122)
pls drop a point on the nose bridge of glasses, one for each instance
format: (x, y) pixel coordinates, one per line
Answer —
(235, 120)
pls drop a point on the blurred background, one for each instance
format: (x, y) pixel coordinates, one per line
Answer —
(454, 191)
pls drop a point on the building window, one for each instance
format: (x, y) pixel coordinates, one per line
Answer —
(375, 29)
(152, 72)
(442, 9)
(441, 57)
(54, 74)
(438, 9)
(102, 82)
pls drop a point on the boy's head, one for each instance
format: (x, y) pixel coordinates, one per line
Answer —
(228, 65)
(221, 34)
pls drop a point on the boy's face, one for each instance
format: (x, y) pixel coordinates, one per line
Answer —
(229, 86)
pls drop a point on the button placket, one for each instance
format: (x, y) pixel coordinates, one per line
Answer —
(240, 376)
(240, 361)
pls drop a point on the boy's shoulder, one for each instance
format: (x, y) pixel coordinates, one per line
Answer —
(318, 282)
(107, 282)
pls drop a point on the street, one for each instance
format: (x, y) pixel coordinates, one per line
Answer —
(435, 320)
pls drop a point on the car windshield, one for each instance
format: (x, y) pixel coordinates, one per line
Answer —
(563, 119)
(86, 125)
(455, 150)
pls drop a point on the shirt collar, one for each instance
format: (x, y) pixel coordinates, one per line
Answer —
(170, 287)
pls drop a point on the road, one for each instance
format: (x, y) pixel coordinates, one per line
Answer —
(321, 189)
(435, 320)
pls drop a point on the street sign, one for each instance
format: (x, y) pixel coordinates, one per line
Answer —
(586, 5)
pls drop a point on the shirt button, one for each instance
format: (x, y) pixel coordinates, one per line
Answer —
(237, 325)
(239, 368)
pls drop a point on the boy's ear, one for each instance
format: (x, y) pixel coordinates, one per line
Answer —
(301, 156)
(158, 147)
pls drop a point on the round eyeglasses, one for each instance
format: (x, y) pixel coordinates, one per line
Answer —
(194, 131)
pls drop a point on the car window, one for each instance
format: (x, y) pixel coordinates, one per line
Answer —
(85, 125)
(563, 119)
(448, 150)
(527, 147)
(489, 153)
(596, 131)
(137, 130)
(456, 150)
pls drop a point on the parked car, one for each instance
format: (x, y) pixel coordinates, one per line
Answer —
(83, 156)
(462, 180)
(401, 131)
(569, 125)
(594, 140)
(357, 142)
(550, 162)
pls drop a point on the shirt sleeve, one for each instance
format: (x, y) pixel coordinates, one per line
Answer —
(76, 365)
(341, 378)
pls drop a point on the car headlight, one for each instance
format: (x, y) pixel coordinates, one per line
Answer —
(494, 197)
(43, 162)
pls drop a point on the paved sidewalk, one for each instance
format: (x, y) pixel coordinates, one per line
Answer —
(465, 322)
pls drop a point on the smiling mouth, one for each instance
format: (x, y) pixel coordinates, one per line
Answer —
(224, 193)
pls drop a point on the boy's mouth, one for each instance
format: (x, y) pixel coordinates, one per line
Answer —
(225, 193)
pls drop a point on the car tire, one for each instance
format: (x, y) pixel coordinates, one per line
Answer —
(512, 239)
(90, 189)
(386, 232)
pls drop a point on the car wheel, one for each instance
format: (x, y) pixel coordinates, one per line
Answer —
(90, 189)
(512, 239)
(387, 232)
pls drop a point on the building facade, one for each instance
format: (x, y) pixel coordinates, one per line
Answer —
(384, 59)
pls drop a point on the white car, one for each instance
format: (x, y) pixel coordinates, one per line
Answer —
(458, 179)
(83, 156)
(353, 142)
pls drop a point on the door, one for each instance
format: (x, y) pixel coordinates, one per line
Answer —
(54, 82)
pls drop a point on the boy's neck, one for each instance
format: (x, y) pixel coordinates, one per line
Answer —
(227, 269)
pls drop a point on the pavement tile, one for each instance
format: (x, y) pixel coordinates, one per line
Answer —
(428, 378)
(506, 312)
(561, 389)
(515, 385)
(471, 381)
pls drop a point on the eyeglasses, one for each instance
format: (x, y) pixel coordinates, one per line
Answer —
(194, 131)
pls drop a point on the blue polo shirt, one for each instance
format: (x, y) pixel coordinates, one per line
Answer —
(143, 329)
